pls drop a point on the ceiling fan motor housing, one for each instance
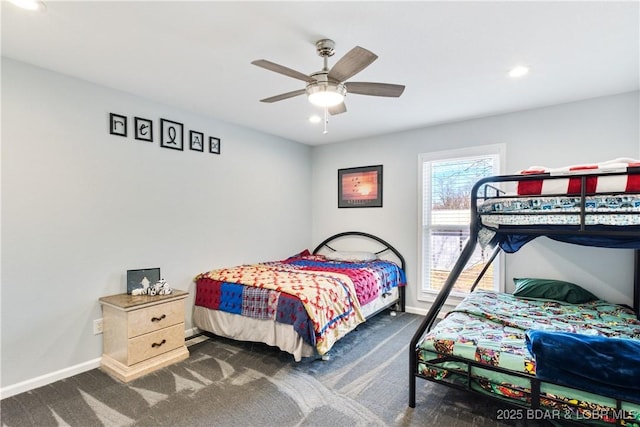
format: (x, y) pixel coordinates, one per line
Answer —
(326, 47)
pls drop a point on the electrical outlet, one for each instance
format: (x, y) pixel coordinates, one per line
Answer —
(97, 326)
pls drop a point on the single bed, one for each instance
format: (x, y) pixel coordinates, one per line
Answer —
(303, 304)
(551, 349)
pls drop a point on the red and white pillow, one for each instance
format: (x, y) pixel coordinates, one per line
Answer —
(595, 184)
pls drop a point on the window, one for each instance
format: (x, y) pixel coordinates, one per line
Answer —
(446, 179)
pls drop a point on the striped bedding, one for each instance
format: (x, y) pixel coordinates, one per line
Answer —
(629, 182)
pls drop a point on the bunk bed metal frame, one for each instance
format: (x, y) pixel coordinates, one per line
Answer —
(582, 229)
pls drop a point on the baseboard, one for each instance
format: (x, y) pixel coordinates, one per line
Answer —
(424, 311)
(52, 377)
(416, 310)
(43, 380)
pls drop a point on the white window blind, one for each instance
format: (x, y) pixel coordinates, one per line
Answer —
(446, 182)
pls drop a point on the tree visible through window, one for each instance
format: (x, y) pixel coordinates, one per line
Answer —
(446, 191)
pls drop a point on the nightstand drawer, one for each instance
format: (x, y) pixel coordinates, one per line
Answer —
(152, 344)
(155, 318)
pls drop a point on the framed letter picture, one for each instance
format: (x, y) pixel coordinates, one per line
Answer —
(196, 140)
(171, 135)
(117, 124)
(214, 145)
(360, 187)
(144, 129)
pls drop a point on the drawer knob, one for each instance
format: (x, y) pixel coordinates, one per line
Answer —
(157, 319)
(155, 344)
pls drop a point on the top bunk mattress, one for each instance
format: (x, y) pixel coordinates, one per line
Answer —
(599, 209)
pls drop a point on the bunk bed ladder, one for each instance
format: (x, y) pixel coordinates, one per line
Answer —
(431, 316)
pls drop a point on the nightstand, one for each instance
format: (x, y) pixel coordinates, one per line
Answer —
(142, 333)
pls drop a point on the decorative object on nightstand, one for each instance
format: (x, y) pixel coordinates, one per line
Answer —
(138, 280)
(142, 333)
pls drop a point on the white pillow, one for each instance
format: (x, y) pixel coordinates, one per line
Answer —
(351, 256)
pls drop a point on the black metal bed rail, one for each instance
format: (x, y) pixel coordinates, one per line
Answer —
(472, 242)
(386, 247)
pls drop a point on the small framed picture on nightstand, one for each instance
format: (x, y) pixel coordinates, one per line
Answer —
(141, 279)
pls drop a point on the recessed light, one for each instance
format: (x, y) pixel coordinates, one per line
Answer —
(315, 118)
(30, 4)
(518, 71)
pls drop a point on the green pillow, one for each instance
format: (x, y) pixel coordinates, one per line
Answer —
(552, 289)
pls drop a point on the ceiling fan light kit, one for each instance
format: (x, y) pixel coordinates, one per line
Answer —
(328, 87)
(326, 94)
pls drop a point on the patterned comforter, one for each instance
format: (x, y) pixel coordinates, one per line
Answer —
(489, 327)
(319, 297)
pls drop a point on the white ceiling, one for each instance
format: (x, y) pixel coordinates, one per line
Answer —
(452, 56)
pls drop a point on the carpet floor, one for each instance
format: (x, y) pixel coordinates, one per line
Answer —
(229, 383)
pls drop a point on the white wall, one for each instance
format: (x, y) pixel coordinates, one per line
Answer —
(588, 131)
(81, 206)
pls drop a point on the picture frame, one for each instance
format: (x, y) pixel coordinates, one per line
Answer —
(117, 124)
(171, 134)
(136, 278)
(196, 141)
(214, 145)
(360, 187)
(143, 129)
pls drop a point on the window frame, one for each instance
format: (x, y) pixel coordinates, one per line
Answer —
(499, 150)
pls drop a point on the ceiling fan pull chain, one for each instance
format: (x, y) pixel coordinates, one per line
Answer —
(326, 120)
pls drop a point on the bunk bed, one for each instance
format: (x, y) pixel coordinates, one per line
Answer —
(303, 304)
(552, 350)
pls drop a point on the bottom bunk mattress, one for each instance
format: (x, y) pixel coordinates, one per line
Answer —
(302, 305)
(485, 345)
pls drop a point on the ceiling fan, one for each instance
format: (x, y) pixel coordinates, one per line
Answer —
(328, 87)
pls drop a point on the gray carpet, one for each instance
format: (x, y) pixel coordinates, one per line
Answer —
(228, 383)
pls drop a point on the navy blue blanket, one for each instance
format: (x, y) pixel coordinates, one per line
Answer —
(602, 365)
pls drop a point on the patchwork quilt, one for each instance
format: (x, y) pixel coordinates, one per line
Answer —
(319, 297)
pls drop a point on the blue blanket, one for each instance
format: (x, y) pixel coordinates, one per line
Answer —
(602, 365)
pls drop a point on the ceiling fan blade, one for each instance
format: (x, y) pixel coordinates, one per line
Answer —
(375, 89)
(284, 96)
(354, 61)
(337, 109)
(272, 66)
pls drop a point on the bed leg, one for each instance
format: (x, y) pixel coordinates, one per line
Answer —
(393, 313)
(412, 376)
(412, 391)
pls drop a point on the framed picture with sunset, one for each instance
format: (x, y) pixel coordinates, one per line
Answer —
(360, 187)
